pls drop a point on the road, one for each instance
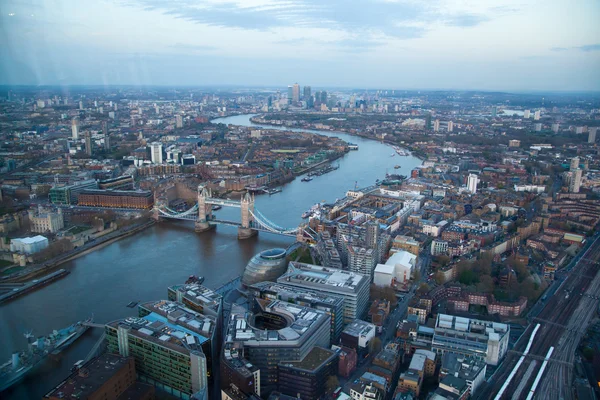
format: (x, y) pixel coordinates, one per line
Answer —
(563, 322)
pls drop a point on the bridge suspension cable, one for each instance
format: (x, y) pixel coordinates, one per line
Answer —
(270, 225)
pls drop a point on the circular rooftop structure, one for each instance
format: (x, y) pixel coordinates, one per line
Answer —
(268, 265)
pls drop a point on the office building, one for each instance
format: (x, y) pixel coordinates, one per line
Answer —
(450, 126)
(88, 143)
(179, 121)
(272, 333)
(108, 376)
(362, 391)
(332, 304)
(436, 125)
(306, 93)
(156, 154)
(307, 379)
(75, 127)
(536, 116)
(472, 370)
(295, 93)
(555, 127)
(592, 135)
(361, 260)
(494, 112)
(290, 94)
(69, 194)
(353, 287)
(198, 298)
(268, 265)
(167, 343)
(357, 335)
(472, 182)
(484, 340)
(28, 245)
(514, 143)
(527, 114)
(537, 127)
(574, 164)
(42, 221)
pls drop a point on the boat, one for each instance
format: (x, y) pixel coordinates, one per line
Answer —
(306, 179)
(275, 190)
(194, 279)
(352, 146)
(65, 337)
(25, 361)
(393, 154)
(216, 207)
(306, 214)
(396, 167)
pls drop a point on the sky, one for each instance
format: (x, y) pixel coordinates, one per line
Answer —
(509, 45)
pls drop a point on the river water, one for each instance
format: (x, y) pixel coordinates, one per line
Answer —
(142, 266)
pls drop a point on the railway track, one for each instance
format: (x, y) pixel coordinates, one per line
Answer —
(563, 322)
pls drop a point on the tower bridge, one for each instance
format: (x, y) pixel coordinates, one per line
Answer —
(251, 220)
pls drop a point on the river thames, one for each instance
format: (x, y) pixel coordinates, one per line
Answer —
(142, 266)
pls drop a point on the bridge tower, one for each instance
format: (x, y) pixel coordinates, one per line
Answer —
(245, 231)
(203, 224)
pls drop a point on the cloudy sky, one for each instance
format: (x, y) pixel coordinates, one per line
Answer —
(514, 45)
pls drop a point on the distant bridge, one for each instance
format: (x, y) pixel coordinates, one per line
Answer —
(251, 221)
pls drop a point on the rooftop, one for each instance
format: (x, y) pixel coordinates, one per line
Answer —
(358, 327)
(293, 292)
(322, 277)
(199, 295)
(90, 377)
(313, 360)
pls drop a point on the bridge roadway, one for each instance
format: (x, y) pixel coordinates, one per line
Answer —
(563, 319)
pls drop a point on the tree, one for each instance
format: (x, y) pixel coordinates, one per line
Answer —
(485, 284)
(417, 275)
(423, 288)
(439, 278)
(374, 345)
(332, 383)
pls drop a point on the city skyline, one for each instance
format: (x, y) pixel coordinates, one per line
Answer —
(503, 45)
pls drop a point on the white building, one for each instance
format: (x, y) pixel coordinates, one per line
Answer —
(472, 182)
(401, 265)
(29, 245)
(485, 340)
(450, 126)
(75, 128)
(592, 135)
(156, 152)
(46, 221)
(536, 116)
(575, 183)
(439, 247)
(526, 114)
(178, 121)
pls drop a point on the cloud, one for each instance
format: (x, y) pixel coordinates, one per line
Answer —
(589, 47)
(586, 48)
(395, 19)
(190, 46)
(466, 20)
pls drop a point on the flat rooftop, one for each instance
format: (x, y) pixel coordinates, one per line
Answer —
(181, 317)
(294, 292)
(313, 360)
(326, 278)
(358, 327)
(81, 386)
(199, 295)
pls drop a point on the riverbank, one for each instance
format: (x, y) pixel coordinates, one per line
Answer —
(33, 271)
(414, 152)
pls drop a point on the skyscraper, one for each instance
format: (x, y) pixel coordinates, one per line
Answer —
(75, 128)
(450, 126)
(428, 121)
(575, 183)
(323, 98)
(537, 115)
(555, 127)
(436, 125)
(307, 94)
(526, 114)
(290, 94)
(88, 143)
(179, 121)
(574, 164)
(494, 111)
(592, 135)
(296, 93)
(472, 182)
(156, 152)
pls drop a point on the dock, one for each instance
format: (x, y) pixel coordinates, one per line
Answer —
(18, 289)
